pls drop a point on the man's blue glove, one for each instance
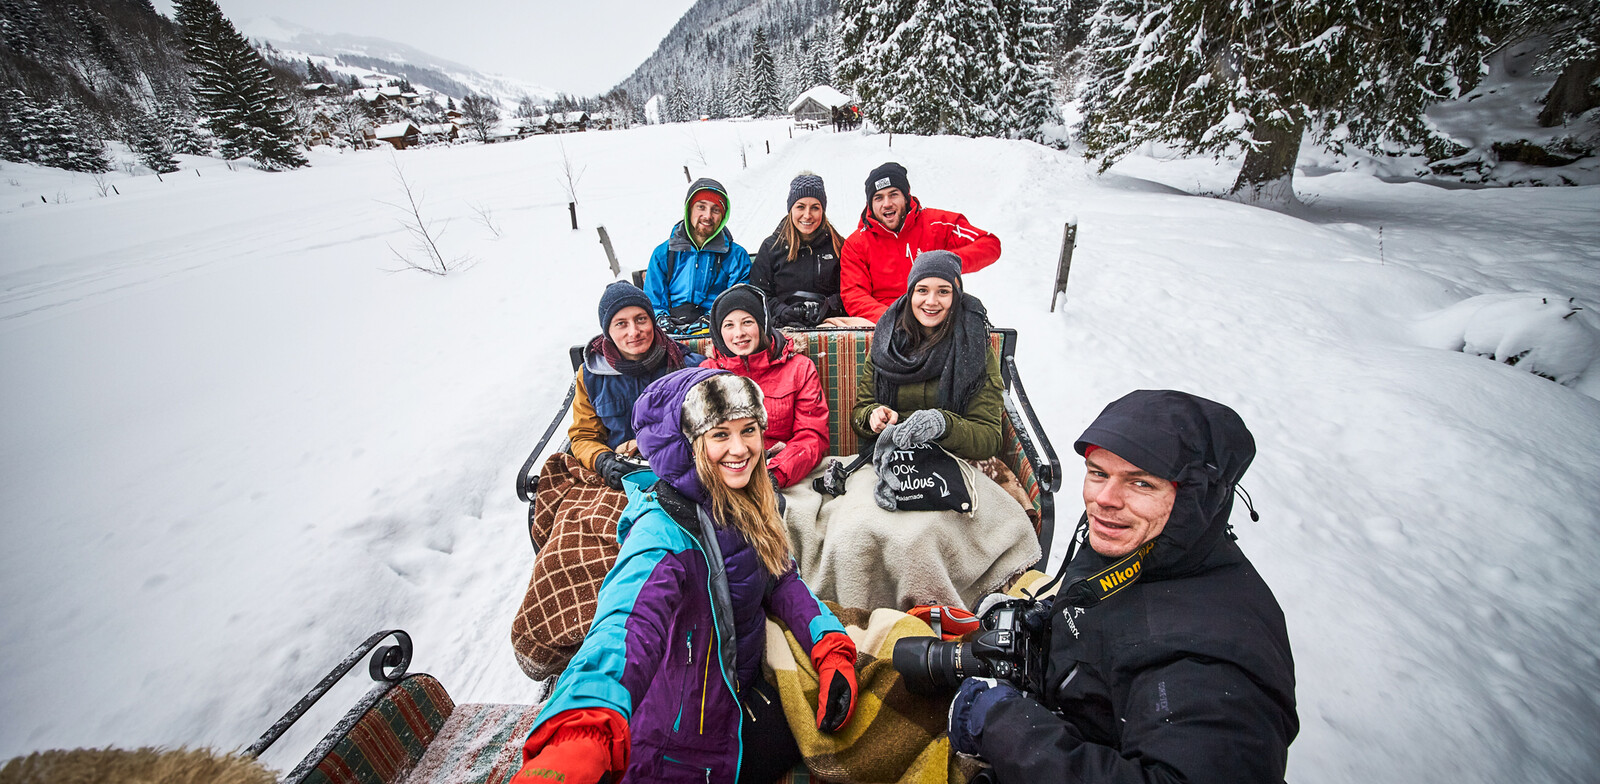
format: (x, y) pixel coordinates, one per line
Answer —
(920, 428)
(971, 709)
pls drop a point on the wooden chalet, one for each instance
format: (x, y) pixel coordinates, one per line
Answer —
(401, 134)
(815, 106)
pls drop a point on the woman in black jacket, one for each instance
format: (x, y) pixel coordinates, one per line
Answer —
(798, 266)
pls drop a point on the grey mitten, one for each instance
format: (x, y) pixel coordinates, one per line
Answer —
(882, 451)
(920, 428)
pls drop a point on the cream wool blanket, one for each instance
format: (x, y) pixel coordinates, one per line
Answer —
(854, 553)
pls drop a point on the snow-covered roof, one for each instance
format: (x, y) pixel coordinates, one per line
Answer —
(823, 94)
(568, 118)
(391, 91)
(439, 129)
(394, 130)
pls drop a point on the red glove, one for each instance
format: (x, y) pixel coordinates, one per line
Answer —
(575, 747)
(834, 656)
(574, 757)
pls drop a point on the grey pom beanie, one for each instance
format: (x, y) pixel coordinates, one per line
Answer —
(804, 185)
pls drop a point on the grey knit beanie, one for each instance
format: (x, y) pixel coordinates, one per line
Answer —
(807, 184)
(935, 264)
(718, 399)
(617, 296)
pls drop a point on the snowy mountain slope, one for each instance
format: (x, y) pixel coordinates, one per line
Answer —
(235, 444)
(298, 39)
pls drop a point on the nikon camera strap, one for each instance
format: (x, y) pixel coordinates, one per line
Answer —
(1090, 591)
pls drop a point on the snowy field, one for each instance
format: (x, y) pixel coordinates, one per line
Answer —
(235, 441)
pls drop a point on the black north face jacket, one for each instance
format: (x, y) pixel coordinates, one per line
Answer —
(1185, 675)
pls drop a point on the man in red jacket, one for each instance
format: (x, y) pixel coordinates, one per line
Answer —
(895, 229)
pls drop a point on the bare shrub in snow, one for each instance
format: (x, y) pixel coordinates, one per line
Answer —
(425, 239)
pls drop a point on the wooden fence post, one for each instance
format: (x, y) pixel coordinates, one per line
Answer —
(1069, 240)
(611, 255)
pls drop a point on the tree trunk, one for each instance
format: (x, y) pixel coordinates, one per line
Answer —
(1573, 93)
(1267, 174)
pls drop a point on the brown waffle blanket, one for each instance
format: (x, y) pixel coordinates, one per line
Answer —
(575, 526)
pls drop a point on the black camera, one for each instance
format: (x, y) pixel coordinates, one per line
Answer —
(1012, 644)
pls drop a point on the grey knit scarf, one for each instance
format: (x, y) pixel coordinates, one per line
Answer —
(959, 361)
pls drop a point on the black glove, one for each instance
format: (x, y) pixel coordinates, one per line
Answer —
(779, 314)
(809, 313)
(612, 468)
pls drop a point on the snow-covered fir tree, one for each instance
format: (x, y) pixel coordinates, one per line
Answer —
(48, 133)
(148, 140)
(17, 114)
(233, 89)
(764, 87)
(939, 71)
(1028, 105)
(181, 127)
(970, 67)
(1220, 76)
(64, 143)
(739, 104)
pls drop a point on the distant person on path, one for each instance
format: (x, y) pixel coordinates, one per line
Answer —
(744, 343)
(1181, 672)
(798, 266)
(895, 229)
(698, 261)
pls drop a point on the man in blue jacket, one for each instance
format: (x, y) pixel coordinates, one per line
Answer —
(698, 261)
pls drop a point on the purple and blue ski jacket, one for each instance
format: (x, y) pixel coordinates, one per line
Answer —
(680, 624)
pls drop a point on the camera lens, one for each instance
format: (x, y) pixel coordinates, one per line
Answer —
(930, 667)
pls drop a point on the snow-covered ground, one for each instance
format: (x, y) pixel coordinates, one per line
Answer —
(234, 441)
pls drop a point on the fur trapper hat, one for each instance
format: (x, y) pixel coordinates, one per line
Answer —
(718, 399)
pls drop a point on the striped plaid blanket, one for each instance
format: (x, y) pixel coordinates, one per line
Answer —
(894, 735)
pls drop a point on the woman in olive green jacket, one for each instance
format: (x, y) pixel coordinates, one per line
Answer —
(932, 370)
(931, 378)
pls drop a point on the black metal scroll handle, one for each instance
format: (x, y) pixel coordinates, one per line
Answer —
(388, 664)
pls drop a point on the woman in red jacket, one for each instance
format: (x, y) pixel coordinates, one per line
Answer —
(797, 412)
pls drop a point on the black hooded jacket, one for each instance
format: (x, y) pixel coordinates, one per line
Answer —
(1185, 675)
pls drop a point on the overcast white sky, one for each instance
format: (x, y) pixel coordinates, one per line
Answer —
(575, 46)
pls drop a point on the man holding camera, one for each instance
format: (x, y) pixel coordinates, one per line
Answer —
(1168, 655)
